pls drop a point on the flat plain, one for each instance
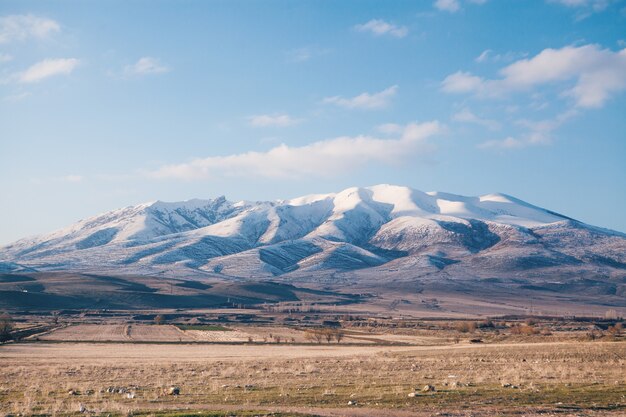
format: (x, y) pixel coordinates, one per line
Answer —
(405, 372)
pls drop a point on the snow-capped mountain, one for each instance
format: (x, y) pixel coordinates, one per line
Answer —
(380, 232)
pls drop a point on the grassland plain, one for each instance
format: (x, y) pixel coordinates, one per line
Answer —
(560, 378)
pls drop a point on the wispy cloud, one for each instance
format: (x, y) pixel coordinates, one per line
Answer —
(380, 27)
(272, 120)
(596, 5)
(48, 68)
(378, 100)
(538, 133)
(306, 53)
(22, 27)
(318, 159)
(490, 56)
(597, 75)
(451, 6)
(146, 65)
(467, 116)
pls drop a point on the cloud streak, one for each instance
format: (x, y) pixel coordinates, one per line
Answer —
(23, 27)
(318, 159)
(378, 27)
(451, 6)
(48, 68)
(144, 66)
(272, 120)
(538, 133)
(597, 74)
(369, 101)
(467, 116)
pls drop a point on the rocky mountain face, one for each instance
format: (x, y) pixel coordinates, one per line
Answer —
(380, 233)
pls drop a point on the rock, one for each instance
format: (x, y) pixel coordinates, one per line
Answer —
(173, 391)
(351, 402)
(428, 388)
(506, 385)
(457, 384)
(82, 408)
(72, 392)
(412, 394)
(130, 395)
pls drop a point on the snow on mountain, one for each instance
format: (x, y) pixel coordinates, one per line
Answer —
(370, 232)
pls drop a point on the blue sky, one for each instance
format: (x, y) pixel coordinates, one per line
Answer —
(108, 104)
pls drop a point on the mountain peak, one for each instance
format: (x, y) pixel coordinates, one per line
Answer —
(357, 228)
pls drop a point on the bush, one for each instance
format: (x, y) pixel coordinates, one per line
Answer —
(465, 326)
(524, 329)
(159, 319)
(616, 330)
(6, 327)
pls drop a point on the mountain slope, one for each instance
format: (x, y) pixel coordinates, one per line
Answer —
(372, 233)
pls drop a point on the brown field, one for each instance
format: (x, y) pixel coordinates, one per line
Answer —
(296, 358)
(567, 378)
(266, 334)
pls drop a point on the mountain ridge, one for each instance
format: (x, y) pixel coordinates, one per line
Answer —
(361, 233)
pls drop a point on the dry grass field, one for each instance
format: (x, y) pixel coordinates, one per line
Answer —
(559, 378)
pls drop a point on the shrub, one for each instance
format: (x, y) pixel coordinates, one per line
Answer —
(6, 327)
(465, 326)
(524, 329)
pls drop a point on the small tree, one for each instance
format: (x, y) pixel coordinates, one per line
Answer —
(339, 336)
(6, 327)
(55, 317)
(159, 319)
(329, 335)
(616, 330)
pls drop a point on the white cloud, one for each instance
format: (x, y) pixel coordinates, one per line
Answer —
(317, 159)
(48, 68)
(538, 133)
(451, 6)
(484, 55)
(146, 65)
(596, 5)
(507, 143)
(467, 116)
(365, 100)
(22, 27)
(379, 27)
(5, 58)
(390, 128)
(272, 120)
(597, 74)
(489, 55)
(462, 82)
(306, 53)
